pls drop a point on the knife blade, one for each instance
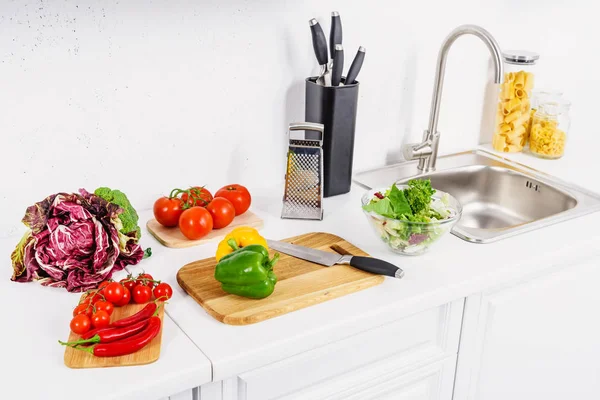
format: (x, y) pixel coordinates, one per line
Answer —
(368, 264)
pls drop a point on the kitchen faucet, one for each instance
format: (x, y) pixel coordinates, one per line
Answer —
(427, 150)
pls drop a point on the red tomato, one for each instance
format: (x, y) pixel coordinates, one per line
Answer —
(222, 212)
(105, 306)
(167, 210)
(141, 294)
(114, 292)
(125, 299)
(199, 196)
(145, 279)
(128, 283)
(80, 324)
(100, 319)
(163, 291)
(103, 284)
(92, 298)
(195, 223)
(238, 195)
(83, 309)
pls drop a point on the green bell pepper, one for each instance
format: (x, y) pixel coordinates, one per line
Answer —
(247, 272)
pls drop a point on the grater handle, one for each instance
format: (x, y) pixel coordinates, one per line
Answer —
(307, 126)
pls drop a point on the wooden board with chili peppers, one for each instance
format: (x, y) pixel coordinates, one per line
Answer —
(193, 216)
(112, 327)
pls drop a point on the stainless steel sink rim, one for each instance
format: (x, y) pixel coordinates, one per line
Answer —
(585, 201)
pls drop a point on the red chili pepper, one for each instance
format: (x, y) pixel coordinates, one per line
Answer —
(379, 195)
(128, 345)
(141, 315)
(108, 335)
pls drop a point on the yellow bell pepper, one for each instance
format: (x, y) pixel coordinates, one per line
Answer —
(243, 236)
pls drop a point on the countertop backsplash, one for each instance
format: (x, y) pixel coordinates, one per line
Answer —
(144, 96)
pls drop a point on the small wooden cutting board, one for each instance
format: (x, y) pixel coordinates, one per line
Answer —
(82, 359)
(172, 237)
(300, 283)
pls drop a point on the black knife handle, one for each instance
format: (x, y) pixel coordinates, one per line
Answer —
(338, 65)
(319, 42)
(335, 34)
(356, 66)
(376, 266)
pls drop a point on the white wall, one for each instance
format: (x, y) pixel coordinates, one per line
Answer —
(148, 95)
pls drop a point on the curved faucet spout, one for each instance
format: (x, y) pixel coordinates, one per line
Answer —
(427, 150)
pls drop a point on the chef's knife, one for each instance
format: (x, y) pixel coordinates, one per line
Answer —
(355, 67)
(338, 65)
(335, 34)
(320, 47)
(328, 259)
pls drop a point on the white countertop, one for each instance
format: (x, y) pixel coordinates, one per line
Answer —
(35, 317)
(453, 269)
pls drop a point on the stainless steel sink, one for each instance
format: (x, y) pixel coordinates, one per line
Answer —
(500, 198)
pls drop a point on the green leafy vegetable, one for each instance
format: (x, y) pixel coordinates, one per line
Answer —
(382, 207)
(129, 217)
(418, 194)
(399, 202)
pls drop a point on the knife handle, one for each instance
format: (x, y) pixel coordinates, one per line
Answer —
(376, 266)
(319, 42)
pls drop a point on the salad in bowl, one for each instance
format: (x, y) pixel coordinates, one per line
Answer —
(410, 218)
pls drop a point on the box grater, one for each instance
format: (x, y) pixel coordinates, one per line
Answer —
(303, 196)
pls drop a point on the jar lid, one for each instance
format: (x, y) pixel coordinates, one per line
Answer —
(556, 106)
(520, 57)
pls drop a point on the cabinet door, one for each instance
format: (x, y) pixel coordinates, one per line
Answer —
(539, 339)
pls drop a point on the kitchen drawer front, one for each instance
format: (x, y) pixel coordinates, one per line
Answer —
(433, 381)
(413, 341)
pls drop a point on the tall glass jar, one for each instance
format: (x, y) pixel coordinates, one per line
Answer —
(549, 129)
(514, 105)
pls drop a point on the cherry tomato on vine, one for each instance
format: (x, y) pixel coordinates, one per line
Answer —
(92, 298)
(222, 212)
(145, 279)
(195, 223)
(125, 299)
(238, 195)
(167, 210)
(82, 309)
(128, 283)
(80, 324)
(141, 294)
(100, 319)
(163, 291)
(199, 196)
(113, 292)
(105, 306)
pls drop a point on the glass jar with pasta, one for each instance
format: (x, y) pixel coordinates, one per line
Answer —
(514, 105)
(540, 96)
(549, 128)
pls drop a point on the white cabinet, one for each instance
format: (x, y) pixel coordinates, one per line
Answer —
(539, 339)
(412, 358)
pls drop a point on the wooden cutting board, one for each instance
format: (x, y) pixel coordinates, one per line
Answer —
(81, 359)
(300, 283)
(172, 237)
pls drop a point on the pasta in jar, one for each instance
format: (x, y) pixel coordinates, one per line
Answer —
(513, 115)
(549, 130)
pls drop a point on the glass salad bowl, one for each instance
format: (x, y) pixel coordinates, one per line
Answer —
(408, 237)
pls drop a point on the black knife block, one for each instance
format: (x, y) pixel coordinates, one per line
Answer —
(335, 107)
